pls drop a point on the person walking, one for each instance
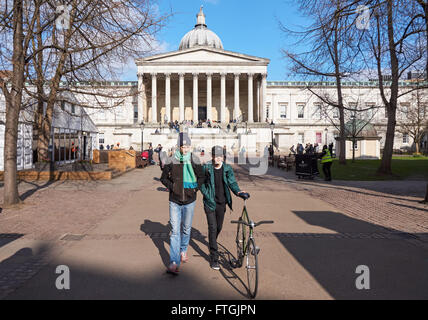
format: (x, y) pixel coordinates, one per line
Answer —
(219, 180)
(150, 154)
(158, 150)
(183, 176)
(326, 161)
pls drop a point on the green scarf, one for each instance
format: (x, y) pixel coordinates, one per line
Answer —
(189, 178)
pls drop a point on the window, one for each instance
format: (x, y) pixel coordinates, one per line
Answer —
(318, 137)
(300, 111)
(62, 105)
(283, 110)
(267, 110)
(405, 138)
(300, 138)
(385, 115)
(353, 111)
(120, 112)
(73, 109)
(101, 138)
(370, 112)
(403, 110)
(135, 112)
(422, 111)
(336, 113)
(317, 111)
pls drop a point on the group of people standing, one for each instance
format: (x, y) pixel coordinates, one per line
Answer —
(184, 175)
(326, 156)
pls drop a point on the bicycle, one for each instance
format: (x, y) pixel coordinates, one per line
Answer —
(247, 248)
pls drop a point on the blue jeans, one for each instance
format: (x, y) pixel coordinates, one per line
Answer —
(180, 217)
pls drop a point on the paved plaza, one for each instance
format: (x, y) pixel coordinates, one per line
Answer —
(114, 237)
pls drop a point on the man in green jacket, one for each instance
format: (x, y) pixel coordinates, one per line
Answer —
(219, 178)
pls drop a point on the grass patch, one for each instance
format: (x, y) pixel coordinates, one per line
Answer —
(403, 168)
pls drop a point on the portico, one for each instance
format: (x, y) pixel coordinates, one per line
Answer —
(201, 78)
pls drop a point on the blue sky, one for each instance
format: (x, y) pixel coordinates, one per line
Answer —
(246, 26)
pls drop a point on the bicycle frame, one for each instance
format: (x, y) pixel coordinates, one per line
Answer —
(246, 218)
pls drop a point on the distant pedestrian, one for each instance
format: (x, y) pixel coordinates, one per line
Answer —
(326, 161)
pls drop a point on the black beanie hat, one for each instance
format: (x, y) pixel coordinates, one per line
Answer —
(183, 139)
(217, 151)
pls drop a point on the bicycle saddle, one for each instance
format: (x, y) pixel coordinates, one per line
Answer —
(244, 196)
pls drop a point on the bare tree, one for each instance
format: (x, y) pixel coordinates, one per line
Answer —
(99, 34)
(16, 19)
(332, 55)
(415, 117)
(94, 37)
(393, 46)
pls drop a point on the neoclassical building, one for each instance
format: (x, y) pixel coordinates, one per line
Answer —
(201, 80)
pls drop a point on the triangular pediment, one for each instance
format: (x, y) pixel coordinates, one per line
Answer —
(202, 55)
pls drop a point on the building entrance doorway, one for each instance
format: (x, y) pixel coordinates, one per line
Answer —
(202, 113)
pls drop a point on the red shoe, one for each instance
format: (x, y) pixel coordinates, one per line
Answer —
(173, 269)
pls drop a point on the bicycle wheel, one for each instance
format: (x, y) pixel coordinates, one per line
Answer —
(240, 240)
(252, 268)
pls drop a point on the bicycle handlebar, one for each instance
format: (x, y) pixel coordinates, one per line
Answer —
(244, 196)
(255, 224)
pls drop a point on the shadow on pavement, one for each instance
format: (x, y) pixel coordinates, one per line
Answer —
(159, 233)
(36, 188)
(98, 282)
(397, 267)
(6, 238)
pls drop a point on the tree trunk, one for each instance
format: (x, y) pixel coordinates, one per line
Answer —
(385, 166)
(43, 141)
(13, 106)
(353, 150)
(391, 106)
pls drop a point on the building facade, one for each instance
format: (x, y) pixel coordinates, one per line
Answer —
(202, 81)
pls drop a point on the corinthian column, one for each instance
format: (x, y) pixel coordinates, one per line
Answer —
(236, 100)
(168, 96)
(181, 97)
(250, 98)
(223, 98)
(142, 103)
(154, 98)
(263, 97)
(209, 97)
(195, 97)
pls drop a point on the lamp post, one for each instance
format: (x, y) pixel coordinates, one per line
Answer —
(272, 127)
(142, 135)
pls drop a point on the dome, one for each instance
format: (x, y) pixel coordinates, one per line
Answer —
(360, 128)
(200, 36)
